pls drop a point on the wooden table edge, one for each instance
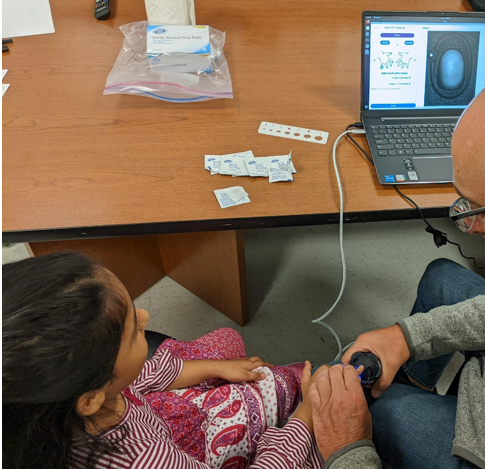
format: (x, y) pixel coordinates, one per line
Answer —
(143, 229)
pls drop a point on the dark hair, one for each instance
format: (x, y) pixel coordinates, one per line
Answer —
(62, 328)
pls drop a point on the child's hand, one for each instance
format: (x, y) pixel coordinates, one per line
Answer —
(304, 411)
(240, 370)
(196, 371)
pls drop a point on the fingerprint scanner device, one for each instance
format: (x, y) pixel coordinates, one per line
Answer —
(179, 48)
(372, 366)
(420, 70)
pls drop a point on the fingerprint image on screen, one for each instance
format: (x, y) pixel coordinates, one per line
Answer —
(451, 68)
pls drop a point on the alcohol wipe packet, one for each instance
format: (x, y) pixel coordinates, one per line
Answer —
(231, 196)
(279, 170)
(234, 165)
(291, 167)
(213, 163)
(259, 166)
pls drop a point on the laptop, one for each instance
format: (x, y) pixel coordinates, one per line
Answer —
(419, 72)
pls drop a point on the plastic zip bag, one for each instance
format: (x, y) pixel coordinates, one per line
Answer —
(132, 74)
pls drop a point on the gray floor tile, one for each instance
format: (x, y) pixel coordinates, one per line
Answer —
(14, 252)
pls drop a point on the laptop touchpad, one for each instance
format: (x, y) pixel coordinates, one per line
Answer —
(434, 169)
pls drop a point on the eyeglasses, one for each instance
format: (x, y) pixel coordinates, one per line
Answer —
(463, 215)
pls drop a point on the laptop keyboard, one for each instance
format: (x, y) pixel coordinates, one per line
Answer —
(412, 140)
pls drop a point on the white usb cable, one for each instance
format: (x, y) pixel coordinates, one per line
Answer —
(341, 238)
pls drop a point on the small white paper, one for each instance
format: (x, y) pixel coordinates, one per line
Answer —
(231, 196)
(4, 72)
(170, 12)
(279, 170)
(26, 18)
(4, 89)
(234, 165)
(213, 163)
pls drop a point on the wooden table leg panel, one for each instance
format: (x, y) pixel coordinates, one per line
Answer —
(134, 260)
(212, 265)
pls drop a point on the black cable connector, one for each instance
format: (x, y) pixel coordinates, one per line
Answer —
(439, 237)
(359, 125)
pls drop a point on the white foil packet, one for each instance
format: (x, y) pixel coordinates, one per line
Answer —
(231, 196)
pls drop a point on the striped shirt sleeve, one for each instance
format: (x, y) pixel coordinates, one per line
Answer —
(158, 373)
(292, 446)
(162, 456)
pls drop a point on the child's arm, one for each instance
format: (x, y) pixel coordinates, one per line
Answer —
(196, 371)
(164, 372)
(159, 372)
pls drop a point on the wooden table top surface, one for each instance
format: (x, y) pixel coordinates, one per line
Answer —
(75, 158)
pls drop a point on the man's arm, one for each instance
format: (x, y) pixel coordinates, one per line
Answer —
(361, 454)
(422, 336)
(446, 329)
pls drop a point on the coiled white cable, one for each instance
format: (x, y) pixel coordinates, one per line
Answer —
(341, 240)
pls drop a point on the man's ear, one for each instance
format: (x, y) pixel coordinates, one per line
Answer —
(90, 402)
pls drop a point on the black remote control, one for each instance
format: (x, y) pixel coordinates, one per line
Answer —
(372, 366)
(101, 9)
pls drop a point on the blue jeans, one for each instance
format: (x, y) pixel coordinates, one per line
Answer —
(413, 428)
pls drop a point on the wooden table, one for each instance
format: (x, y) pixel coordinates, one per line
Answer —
(122, 176)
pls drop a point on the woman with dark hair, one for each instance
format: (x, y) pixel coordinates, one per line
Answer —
(78, 391)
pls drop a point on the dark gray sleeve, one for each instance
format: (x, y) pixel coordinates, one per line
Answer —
(360, 454)
(446, 329)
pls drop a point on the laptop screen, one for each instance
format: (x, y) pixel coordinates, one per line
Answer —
(422, 62)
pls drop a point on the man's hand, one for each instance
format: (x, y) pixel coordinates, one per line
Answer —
(391, 348)
(339, 409)
(239, 370)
